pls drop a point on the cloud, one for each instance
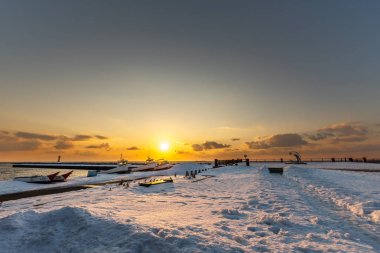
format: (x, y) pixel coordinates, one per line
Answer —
(209, 145)
(63, 144)
(349, 139)
(85, 153)
(278, 141)
(232, 149)
(105, 146)
(181, 152)
(44, 137)
(343, 132)
(81, 137)
(5, 136)
(214, 145)
(133, 148)
(197, 147)
(30, 145)
(20, 141)
(345, 129)
(9, 142)
(319, 136)
(101, 137)
(47, 137)
(235, 139)
(24, 141)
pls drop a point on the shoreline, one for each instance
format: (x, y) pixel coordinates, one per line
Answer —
(55, 190)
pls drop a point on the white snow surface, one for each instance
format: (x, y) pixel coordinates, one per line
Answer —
(240, 209)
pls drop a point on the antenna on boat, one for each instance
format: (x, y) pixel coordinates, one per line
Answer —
(122, 161)
(296, 155)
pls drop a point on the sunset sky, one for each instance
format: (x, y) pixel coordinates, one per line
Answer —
(89, 80)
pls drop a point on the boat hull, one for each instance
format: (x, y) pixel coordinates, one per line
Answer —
(34, 179)
(276, 170)
(37, 179)
(163, 167)
(118, 170)
(160, 181)
(147, 167)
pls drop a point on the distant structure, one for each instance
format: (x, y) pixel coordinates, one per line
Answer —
(122, 161)
(246, 160)
(59, 159)
(297, 155)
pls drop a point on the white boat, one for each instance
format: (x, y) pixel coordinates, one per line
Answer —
(163, 165)
(123, 167)
(119, 170)
(149, 165)
(37, 179)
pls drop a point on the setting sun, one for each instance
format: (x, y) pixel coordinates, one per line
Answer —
(164, 146)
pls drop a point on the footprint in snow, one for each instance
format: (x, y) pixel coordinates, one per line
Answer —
(232, 214)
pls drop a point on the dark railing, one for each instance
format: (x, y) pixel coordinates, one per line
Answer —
(281, 160)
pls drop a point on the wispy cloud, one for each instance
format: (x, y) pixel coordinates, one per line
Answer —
(209, 145)
(181, 152)
(9, 142)
(35, 136)
(101, 137)
(22, 141)
(29, 145)
(133, 148)
(63, 144)
(82, 137)
(105, 146)
(343, 132)
(278, 140)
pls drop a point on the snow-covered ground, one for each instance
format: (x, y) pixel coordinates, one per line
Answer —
(341, 165)
(241, 209)
(358, 192)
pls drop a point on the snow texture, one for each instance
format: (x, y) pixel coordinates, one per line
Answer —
(240, 209)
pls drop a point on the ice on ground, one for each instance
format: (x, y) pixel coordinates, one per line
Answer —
(358, 192)
(241, 209)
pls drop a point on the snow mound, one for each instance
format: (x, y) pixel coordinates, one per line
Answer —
(368, 208)
(273, 219)
(375, 216)
(75, 230)
(365, 208)
(337, 187)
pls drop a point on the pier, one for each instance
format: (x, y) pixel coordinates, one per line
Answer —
(76, 166)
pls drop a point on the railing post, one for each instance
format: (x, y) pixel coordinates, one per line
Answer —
(216, 163)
